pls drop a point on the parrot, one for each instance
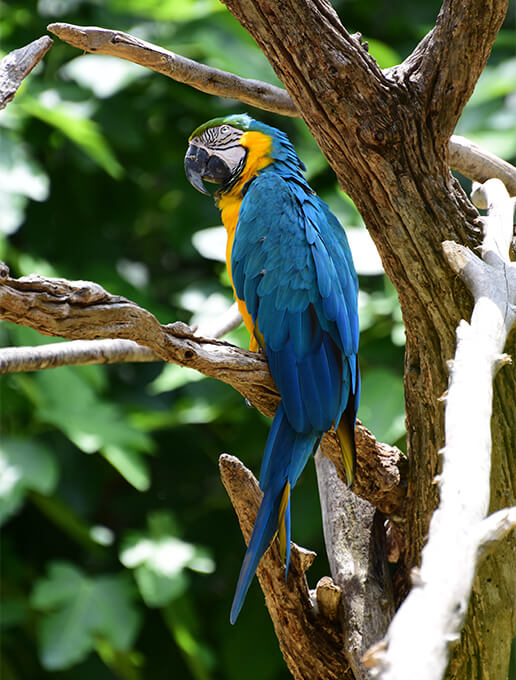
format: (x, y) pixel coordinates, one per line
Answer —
(293, 277)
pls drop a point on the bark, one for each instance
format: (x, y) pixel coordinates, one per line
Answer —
(311, 643)
(385, 135)
(17, 65)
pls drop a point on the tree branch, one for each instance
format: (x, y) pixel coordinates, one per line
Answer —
(204, 78)
(464, 156)
(449, 60)
(439, 599)
(312, 644)
(74, 353)
(17, 65)
(81, 310)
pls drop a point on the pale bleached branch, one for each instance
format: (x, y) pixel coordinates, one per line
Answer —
(480, 165)
(225, 323)
(464, 156)
(17, 65)
(73, 353)
(494, 528)
(458, 531)
(81, 310)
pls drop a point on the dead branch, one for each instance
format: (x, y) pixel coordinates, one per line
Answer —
(81, 310)
(312, 644)
(204, 78)
(464, 156)
(439, 598)
(17, 65)
(74, 353)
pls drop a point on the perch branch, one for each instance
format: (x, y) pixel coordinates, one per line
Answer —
(81, 310)
(17, 65)
(87, 352)
(312, 644)
(465, 157)
(439, 598)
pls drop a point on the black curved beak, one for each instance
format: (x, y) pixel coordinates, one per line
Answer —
(201, 165)
(196, 160)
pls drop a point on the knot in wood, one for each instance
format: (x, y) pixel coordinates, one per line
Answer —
(4, 271)
(377, 134)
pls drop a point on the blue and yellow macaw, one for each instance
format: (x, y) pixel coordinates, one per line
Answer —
(293, 277)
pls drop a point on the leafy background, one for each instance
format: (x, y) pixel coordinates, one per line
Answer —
(120, 550)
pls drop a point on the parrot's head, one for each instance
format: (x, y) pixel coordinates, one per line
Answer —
(215, 153)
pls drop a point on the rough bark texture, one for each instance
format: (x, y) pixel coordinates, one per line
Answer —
(385, 135)
(298, 624)
(17, 65)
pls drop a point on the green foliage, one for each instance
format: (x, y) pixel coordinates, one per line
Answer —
(159, 559)
(114, 515)
(80, 609)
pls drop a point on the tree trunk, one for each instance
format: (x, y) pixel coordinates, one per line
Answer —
(386, 134)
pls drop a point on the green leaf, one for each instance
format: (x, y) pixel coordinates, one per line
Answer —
(78, 609)
(159, 559)
(384, 55)
(169, 10)
(130, 464)
(74, 124)
(68, 399)
(24, 465)
(172, 377)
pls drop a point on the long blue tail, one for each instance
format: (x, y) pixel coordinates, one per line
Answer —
(286, 454)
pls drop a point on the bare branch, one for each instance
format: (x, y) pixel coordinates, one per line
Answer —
(480, 165)
(311, 644)
(494, 528)
(464, 156)
(204, 78)
(81, 310)
(458, 530)
(448, 61)
(74, 353)
(17, 65)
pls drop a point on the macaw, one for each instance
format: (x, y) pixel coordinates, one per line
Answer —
(293, 277)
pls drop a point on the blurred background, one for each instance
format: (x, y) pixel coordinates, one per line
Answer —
(120, 550)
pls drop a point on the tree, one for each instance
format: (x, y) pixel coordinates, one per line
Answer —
(386, 136)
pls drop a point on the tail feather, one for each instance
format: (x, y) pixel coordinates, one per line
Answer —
(286, 454)
(346, 426)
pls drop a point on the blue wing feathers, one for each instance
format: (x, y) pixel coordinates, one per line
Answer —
(292, 266)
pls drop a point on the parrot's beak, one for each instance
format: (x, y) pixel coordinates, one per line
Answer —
(196, 160)
(200, 165)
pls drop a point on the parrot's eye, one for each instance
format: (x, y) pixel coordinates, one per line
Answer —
(224, 129)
